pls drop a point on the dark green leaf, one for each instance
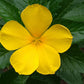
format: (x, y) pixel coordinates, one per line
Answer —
(4, 57)
(49, 79)
(76, 14)
(63, 7)
(1, 71)
(2, 22)
(20, 4)
(0, 26)
(8, 12)
(8, 77)
(20, 79)
(35, 81)
(81, 44)
(11, 77)
(70, 77)
(72, 66)
(23, 3)
(42, 2)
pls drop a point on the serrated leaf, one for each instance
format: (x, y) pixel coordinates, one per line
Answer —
(4, 57)
(9, 12)
(72, 66)
(76, 14)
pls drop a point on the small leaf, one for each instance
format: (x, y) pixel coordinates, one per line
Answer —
(4, 57)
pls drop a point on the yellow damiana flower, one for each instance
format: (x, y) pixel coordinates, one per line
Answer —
(37, 46)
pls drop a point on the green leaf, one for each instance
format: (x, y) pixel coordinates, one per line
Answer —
(11, 77)
(81, 44)
(9, 12)
(1, 71)
(70, 77)
(49, 79)
(63, 7)
(20, 79)
(35, 81)
(76, 14)
(4, 57)
(20, 4)
(72, 65)
(2, 22)
(8, 77)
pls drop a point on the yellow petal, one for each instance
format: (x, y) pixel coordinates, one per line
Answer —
(59, 37)
(14, 35)
(36, 18)
(25, 60)
(49, 61)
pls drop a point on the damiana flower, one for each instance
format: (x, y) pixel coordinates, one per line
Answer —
(37, 46)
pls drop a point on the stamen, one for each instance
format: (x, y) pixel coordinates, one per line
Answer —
(37, 42)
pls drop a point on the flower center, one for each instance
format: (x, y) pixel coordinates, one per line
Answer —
(37, 42)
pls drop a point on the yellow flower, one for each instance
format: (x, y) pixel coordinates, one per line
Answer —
(38, 47)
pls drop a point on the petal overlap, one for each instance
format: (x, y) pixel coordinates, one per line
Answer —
(49, 60)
